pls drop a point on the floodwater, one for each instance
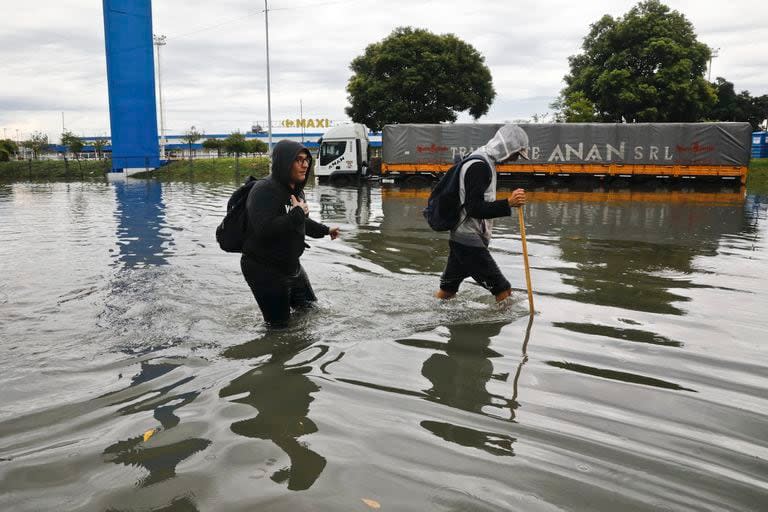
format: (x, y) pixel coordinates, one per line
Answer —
(136, 374)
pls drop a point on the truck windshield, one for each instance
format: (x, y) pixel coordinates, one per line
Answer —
(330, 151)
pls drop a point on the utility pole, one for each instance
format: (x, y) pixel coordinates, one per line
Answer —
(269, 93)
(158, 42)
(63, 129)
(715, 52)
(301, 119)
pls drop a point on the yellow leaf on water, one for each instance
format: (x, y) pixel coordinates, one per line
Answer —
(149, 433)
(372, 503)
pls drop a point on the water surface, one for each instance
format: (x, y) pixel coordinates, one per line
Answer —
(136, 374)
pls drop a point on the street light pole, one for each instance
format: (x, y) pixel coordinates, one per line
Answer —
(714, 53)
(269, 93)
(158, 42)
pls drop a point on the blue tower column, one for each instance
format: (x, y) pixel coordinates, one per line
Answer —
(131, 84)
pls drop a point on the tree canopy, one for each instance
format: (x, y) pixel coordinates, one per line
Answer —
(191, 136)
(98, 146)
(37, 143)
(647, 66)
(214, 144)
(415, 76)
(236, 143)
(72, 143)
(738, 107)
(256, 146)
(7, 148)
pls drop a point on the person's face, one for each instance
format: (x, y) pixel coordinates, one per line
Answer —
(300, 168)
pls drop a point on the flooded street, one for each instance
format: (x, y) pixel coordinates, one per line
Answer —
(136, 373)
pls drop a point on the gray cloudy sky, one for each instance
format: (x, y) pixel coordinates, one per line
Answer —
(52, 54)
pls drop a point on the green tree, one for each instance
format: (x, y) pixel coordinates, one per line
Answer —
(211, 144)
(726, 107)
(754, 108)
(574, 108)
(647, 66)
(191, 136)
(37, 143)
(7, 149)
(72, 143)
(415, 76)
(738, 107)
(98, 146)
(236, 144)
(256, 146)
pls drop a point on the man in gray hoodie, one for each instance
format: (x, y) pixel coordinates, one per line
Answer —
(469, 240)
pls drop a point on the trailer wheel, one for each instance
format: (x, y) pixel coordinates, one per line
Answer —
(619, 182)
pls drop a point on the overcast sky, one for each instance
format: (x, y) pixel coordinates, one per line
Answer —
(52, 54)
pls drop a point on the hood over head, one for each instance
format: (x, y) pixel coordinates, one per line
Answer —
(509, 139)
(283, 155)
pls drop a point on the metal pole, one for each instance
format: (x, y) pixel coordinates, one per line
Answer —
(714, 53)
(301, 119)
(269, 92)
(160, 41)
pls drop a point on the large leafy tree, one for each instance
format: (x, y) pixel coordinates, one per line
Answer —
(726, 107)
(758, 111)
(415, 76)
(647, 66)
(738, 107)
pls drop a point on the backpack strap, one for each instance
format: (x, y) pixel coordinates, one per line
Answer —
(464, 215)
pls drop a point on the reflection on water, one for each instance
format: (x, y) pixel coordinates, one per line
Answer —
(159, 461)
(460, 372)
(631, 249)
(281, 393)
(134, 376)
(143, 236)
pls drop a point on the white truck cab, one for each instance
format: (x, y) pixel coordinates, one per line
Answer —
(343, 152)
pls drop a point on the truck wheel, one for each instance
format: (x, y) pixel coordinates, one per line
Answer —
(340, 180)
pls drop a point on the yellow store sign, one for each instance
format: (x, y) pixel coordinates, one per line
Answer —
(306, 123)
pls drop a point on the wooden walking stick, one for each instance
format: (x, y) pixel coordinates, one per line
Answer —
(525, 259)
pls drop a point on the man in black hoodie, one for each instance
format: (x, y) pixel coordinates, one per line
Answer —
(278, 220)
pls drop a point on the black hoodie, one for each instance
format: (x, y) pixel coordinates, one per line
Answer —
(276, 231)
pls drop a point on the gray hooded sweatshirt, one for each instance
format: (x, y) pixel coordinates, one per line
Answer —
(475, 230)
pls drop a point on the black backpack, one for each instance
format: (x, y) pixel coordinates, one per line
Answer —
(232, 231)
(443, 209)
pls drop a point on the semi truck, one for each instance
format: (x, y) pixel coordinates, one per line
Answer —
(656, 150)
(343, 153)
